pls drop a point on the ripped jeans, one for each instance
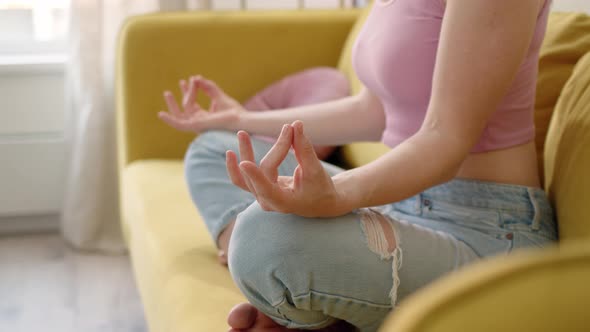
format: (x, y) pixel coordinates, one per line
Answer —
(308, 273)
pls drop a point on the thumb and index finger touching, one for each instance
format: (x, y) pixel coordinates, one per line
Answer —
(291, 136)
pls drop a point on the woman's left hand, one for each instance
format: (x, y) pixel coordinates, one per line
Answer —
(310, 192)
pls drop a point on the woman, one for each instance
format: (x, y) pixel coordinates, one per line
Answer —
(450, 87)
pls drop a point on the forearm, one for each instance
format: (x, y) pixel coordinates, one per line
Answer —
(331, 123)
(423, 161)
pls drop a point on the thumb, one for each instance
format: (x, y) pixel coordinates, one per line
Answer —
(304, 151)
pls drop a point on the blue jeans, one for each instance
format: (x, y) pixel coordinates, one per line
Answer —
(308, 273)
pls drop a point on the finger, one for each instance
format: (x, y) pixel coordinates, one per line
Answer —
(246, 151)
(213, 106)
(304, 149)
(183, 87)
(236, 175)
(171, 102)
(191, 96)
(265, 190)
(250, 186)
(210, 88)
(279, 151)
(298, 177)
(233, 170)
(172, 121)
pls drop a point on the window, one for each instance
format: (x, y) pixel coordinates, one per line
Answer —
(33, 26)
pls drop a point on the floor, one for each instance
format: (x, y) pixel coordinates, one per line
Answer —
(46, 286)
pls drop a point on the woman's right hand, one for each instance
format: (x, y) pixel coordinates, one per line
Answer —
(223, 112)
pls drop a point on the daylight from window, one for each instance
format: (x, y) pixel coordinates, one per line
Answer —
(29, 25)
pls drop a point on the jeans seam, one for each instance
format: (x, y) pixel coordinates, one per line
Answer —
(293, 324)
(340, 297)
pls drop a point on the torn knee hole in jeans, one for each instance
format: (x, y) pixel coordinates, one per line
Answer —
(382, 239)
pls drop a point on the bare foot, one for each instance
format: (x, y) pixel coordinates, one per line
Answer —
(246, 318)
(223, 242)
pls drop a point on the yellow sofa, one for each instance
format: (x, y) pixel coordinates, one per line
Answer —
(182, 286)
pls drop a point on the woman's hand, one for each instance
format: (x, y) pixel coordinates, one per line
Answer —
(310, 192)
(224, 110)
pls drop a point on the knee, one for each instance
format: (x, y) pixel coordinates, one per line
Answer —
(208, 149)
(264, 246)
(210, 142)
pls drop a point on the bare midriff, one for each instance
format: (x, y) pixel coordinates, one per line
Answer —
(515, 165)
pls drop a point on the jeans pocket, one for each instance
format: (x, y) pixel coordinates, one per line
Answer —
(525, 237)
(480, 228)
(487, 220)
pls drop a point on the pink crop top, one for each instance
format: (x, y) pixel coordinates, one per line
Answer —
(394, 57)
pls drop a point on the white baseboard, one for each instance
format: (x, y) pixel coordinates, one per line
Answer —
(29, 224)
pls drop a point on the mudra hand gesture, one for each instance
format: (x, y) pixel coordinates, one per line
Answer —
(223, 111)
(310, 192)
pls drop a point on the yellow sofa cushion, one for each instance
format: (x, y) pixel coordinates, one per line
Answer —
(533, 290)
(182, 286)
(567, 155)
(566, 41)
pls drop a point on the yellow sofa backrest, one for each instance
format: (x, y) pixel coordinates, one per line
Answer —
(562, 120)
(567, 156)
(566, 41)
(242, 51)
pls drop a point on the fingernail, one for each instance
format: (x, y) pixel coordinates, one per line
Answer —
(285, 128)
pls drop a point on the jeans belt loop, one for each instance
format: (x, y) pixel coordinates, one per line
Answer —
(536, 225)
(418, 206)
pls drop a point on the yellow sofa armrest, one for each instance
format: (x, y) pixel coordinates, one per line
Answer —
(533, 290)
(242, 51)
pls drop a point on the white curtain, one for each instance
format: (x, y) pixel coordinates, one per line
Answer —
(90, 217)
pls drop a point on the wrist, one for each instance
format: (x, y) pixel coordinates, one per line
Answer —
(349, 199)
(238, 121)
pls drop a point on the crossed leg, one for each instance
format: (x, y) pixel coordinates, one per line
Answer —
(303, 273)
